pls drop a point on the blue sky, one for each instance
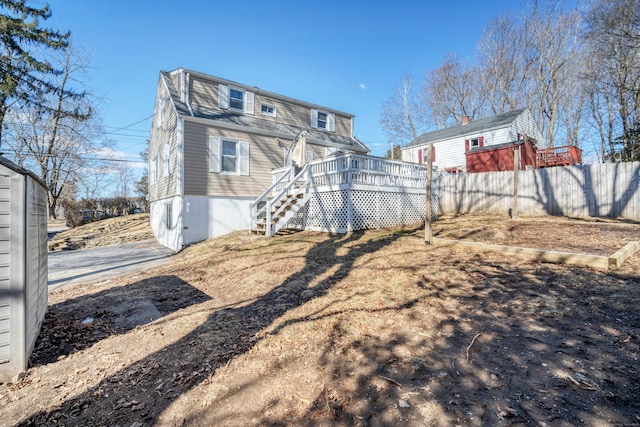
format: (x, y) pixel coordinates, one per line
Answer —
(347, 55)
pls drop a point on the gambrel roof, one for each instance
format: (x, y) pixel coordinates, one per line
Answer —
(475, 127)
(253, 123)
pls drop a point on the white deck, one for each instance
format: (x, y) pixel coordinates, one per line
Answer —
(345, 193)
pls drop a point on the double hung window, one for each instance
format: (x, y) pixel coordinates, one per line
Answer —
(323, 120)
(236, 99)
(228, 156)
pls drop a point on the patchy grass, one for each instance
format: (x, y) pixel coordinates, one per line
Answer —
(111, 231)
(370, 328)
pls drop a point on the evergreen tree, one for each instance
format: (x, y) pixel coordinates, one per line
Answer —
(626, 147)
(24, 73)
(396, 154)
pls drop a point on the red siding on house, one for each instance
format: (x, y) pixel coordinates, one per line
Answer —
(500, 158)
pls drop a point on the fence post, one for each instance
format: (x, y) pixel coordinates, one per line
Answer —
(428, 232)
(514, 198)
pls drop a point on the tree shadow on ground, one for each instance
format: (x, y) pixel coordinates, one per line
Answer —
(141, 391)
(79, 323)
(514, 348)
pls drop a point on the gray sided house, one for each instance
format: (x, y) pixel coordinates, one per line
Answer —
(451, 144)
(214, 144)
(23, 265)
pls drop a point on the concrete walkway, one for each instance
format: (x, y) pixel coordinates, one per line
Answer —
(98, 264)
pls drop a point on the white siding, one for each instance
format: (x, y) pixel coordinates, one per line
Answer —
(169, 235)
(525, 124)
(206, 217)
(451, 153)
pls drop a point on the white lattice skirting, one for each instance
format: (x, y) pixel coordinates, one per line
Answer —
(342, 211)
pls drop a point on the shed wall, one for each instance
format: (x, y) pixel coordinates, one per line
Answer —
(5, 251)
(23, 267)
(36, 260)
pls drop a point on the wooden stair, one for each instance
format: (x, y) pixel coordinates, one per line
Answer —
(281, 212)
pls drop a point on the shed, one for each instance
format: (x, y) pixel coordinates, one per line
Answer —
(23, 265)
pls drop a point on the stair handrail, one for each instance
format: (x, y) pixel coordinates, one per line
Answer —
(304, 172)
(263, 197)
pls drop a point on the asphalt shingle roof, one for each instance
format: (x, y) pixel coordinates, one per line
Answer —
(476, 126)
(252, 122)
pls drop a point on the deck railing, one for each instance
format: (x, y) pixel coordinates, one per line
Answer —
(359, 169)
(559, 156)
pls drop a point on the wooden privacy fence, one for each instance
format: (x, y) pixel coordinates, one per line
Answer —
(598, 190)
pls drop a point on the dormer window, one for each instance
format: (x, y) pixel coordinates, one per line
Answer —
(236, 99)
(323, 120)
(268, 110)
(233, 98)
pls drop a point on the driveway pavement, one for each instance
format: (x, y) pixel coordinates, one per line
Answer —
(98, 264)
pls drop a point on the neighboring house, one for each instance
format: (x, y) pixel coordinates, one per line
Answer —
(23, 265)
(213, 146)
(451, 145)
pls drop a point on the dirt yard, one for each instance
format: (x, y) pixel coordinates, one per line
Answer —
(371, 328)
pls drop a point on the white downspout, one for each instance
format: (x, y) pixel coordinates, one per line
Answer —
(185, 89)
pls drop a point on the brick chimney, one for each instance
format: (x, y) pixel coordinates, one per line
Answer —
(465, 120)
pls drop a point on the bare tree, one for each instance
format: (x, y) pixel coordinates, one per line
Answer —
(56, 136)
(453, 91)
(574, 108)
(94, 177)
(124, 179)
(613, 34)
(553, 46)
(401, 116)
(503, 57)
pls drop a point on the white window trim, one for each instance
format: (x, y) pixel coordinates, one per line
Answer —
(331, 120)
(216, 158)
(236, 157)
(329, 151)
(472, 144)
(167, 158)
(289, 162)
(224, 99)
(160, 112)
(270, 114)
(168, 213)
(154, 167)
(285, 160)
(243, 100)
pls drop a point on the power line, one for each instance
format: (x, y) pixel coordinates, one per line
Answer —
(128, 126)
